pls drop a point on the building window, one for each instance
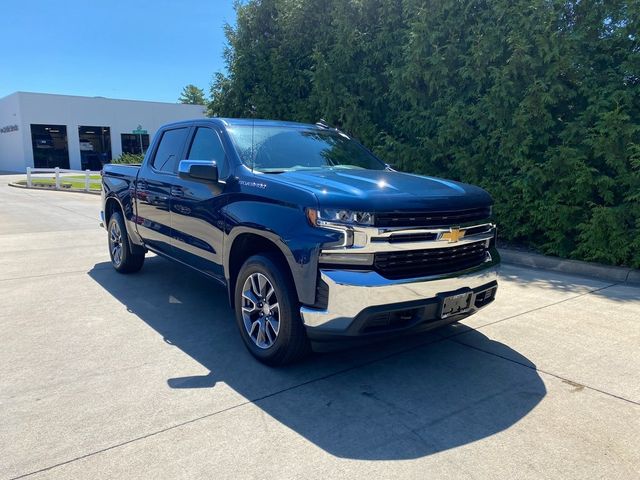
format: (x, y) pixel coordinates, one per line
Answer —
(136, 144)
(95, 147)
(50, 148)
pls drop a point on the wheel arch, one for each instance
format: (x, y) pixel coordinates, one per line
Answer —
(247, 242)
(113, 204)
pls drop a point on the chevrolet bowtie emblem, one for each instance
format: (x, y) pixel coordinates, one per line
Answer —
(453, 235)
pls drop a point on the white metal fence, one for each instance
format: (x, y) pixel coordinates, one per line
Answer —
(60, 174)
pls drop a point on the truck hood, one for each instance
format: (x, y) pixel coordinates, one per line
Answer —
(384, 190)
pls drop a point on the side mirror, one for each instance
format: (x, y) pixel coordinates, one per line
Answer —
(198, 170)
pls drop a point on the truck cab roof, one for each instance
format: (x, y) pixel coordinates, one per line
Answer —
(230, 122)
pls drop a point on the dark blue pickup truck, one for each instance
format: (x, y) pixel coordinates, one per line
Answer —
(313, 236)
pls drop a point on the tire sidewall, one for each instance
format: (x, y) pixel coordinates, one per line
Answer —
(117, 218)
(287, 301)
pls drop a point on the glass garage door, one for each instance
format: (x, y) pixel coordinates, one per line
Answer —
(95, 147)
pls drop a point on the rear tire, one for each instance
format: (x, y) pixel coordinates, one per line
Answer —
(268, 312)
(122, 258)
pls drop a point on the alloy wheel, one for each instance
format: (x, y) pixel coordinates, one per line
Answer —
(260, 310)
(115, 243)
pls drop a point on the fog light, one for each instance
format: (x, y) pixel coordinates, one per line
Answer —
(347, 258)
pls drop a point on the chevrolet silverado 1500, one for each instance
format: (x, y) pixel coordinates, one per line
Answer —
(313, 236)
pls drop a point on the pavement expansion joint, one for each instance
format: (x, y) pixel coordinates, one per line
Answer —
(578, 386)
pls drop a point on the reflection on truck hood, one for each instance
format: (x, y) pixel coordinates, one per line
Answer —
(383, 190)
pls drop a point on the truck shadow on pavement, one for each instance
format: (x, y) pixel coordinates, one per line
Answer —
(405, 398)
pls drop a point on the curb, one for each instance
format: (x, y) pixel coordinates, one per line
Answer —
(575, 267)
(42, 189)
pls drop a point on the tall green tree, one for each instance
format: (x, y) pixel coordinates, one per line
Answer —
(538, 101)
(192, 95)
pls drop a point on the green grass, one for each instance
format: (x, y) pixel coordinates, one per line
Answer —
(74, 182)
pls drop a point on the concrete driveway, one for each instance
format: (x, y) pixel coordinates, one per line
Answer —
(145, 376)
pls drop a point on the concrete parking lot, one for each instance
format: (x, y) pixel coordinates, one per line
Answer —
(145, 376)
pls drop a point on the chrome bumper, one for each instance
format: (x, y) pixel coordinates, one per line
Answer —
(351, 292)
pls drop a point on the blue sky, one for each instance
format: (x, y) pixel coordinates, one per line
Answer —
(144, 49)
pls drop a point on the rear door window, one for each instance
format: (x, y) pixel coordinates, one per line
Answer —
(170, 149)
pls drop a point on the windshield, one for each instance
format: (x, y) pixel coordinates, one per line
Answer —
(281, 149)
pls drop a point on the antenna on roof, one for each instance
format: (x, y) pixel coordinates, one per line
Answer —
(252, 107)
(323, 123)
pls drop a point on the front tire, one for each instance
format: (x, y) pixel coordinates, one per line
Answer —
(267, 312)
(122, 258)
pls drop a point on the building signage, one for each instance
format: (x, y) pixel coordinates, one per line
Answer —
(139, 131)
(9, 129)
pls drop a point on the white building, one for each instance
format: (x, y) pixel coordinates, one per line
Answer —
(45, 131)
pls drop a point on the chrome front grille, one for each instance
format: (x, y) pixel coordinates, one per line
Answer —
(373, 240)
(413, 252)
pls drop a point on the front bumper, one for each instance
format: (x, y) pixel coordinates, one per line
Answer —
(359, 300)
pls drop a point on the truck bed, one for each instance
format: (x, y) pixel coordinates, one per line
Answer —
(121, 170)
(120, 180)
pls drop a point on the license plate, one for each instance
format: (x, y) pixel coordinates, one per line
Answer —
(455, 304)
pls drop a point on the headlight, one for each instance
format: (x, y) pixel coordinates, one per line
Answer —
(334, 215)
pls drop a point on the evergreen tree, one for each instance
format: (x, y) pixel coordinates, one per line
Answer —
(538, 101)
(192, 95)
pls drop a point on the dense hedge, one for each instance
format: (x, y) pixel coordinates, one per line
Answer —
(129, 158)
(538, 101)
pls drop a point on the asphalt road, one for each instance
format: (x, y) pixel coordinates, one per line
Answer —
(144, 376)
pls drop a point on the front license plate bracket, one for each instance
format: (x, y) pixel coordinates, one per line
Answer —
(455, 303)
